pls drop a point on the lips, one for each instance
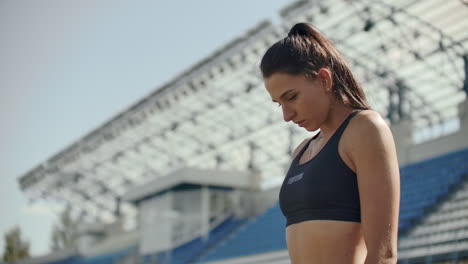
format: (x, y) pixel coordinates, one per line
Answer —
(300, 123)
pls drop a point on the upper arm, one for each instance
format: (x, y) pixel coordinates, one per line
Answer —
(374, 155)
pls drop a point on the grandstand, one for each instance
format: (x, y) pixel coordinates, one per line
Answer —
(145, 199)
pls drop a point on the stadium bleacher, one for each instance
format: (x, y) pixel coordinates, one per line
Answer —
(443, 233)
(424, 183)
(433, 217)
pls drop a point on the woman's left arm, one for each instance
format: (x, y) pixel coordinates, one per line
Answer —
(374, 155)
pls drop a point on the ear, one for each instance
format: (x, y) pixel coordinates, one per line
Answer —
(325, 78)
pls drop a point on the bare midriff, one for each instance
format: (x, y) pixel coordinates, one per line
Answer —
(326, 242)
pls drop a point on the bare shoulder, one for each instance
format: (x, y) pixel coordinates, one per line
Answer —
(367, 121)
(368, 128)
(299, 147)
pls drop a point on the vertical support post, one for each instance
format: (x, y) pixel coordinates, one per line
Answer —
(205, 212)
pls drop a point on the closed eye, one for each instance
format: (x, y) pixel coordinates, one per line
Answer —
(292, 97)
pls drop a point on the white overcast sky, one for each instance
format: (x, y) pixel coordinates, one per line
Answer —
(68, 66)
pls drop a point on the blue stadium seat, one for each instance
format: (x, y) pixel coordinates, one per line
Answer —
(424, 183)
(192, 250)
(263, 234)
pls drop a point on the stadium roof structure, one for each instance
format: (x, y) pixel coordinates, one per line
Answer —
(411, 57)
(190, 177)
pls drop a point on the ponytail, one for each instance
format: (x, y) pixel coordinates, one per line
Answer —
(305, 51)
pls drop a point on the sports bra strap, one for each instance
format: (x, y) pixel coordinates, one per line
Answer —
(339, 131)
(298, 156)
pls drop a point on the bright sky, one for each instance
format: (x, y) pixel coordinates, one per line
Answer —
(68, 66)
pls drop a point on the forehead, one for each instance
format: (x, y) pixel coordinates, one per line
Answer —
(279, 83)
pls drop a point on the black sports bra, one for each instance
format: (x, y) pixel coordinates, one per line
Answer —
(324, 188)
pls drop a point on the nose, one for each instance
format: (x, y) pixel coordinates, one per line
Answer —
(288, 113)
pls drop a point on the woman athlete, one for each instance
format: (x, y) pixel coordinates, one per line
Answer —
(341, 194)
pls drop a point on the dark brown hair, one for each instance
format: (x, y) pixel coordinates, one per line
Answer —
(305, 51)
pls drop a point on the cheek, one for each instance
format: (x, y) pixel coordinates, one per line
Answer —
(314, 109)
(310, 104)
(319, 103)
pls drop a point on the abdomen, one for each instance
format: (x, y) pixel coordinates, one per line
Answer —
(325, 241)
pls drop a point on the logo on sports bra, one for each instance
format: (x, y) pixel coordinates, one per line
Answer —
(295, 178)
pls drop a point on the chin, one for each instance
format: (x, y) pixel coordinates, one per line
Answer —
(309, 129)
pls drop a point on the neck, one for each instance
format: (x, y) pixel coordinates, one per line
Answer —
(336, 115)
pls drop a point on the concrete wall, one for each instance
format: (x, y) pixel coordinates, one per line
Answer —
(409, 153)
(156, 218)
(191, 207)
(173, 218)
(250, 203)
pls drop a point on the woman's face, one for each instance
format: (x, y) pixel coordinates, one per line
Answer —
(304, 100)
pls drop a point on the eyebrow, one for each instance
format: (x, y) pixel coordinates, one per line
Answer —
(284, 95)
